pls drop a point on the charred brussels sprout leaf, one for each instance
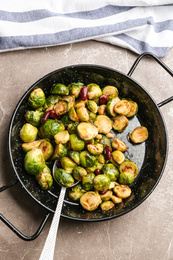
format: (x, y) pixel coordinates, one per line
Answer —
(50, 128)
(36, 98)
(28, 133)
(34, 161)
(111, 171)
(63, 177)
(34, 117)
(59, 89)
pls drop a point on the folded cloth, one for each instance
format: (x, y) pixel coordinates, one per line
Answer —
(138, 25)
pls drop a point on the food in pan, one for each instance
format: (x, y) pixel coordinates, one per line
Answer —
(77, 125)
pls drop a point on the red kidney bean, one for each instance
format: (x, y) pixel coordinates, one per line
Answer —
(45, 117)
(107, 152)
(103, 192)
(84, 93)
(97, 172)
(103, 99)
(53, 114)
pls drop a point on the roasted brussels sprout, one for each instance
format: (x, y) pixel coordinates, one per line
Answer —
(118, 156)
(72, 127)
(92, 116)
(111, 171)
(76, 143)
(68, 164)
(34, 117)
(28, 133)
(34, 161)
(36, 98)
(47, 149)
(122, 191)
(101, 182)
(106, 196)
(63, 177)
(80, 103)
(110, 106)
(110, 91)
(87, 160)
(101, 159)
(70, 100)
(61, 107)
(139, 134)
(122, 107)
(76, 192)
(96, 166)
(59, 89)
(73, 115)
(90, 200)
(116, 200)
(102, 110)
(126, 178)
(133, 108)
(29, 146)
(92, 106)
(107, 205)
(119, 145)
(65, 120)
(82, 114)
(87, 181)
(87, 131)
(75, 156)
(50, 128)
(59, 152)
(45, 180)
(75, 88)
(103, 123)
(120, 122)
(51, 100)
(95, 149)
(62, 137)
(79, 172)
(130, 167)
(105, 141)
(94, 91)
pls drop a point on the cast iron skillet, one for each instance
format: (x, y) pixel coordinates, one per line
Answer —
(149, 156)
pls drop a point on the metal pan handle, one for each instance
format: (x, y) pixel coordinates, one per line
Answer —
(151, 55)
(13, 228)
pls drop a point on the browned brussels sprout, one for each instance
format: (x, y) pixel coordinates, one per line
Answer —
(101, 159)
(28, 133)
(102, 110)
(101, 182)
(94, 91)
(106, 196)
(119, 145)
(118, 156)
(75, 88)
(63, 177)
(103, 123)
(61, 107)
(45, 180)
(90, 200)
(87, 181)
(92, 106)
(87, 131)
(87, 159)
(72, 127)
(29, 146)
(110, 106)
(116, 200)
(34, 117)
(36, 98)
(70, 100)
(130, 167)
(110, 91)
(68, 164)
(95, 149)
(133, 108)
(105, 141)
(122, 191)
(111, 171)
(34, 162)
(62, 137)
(79, 172)
(82, 114)
(120, 122)
(50, 128)
(107, 205)
(60, 151)
(51, 100)
(73, 115)
(122, 107)
(76, 192)
(76, 143)
(139, 134)
(75, 156)
(47, 149)
(92, 116)
(126, 178)
(59, 89)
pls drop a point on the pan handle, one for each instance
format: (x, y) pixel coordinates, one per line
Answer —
(151, 55)
(13, 228)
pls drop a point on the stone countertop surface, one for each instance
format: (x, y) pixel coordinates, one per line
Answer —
(145, 233)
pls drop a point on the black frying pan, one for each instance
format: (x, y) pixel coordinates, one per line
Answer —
(149, 156)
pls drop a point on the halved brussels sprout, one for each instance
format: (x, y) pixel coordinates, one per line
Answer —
(76, 192)
(118, 156)
(122, 191)
(87, 181)
(87, 160)
(119, 145)
(90, 200)
(34, 117)
(51, 100)
(61, 107)
(103, 123)
(106, 141)
(92, 106)
(29, 146)
(106, 196)
(63, 177)
(110, 91)
(122, 107)
(139, 134)
(107, 205)
(126, 178)
(120, 122)
(130, 167)
(94, 91)
(50, 128)
(133, 108)
(111, 104)
(76, 143)
(102, 110)
(73, 115)
(45, 180)
(82, 114)
(75, 88)
(65, 120)
(47, 149)
(101, 159)
(68, 164)
(111, 171)
(87, 131)
(101, 182)
(96, 166)
(72, 127)
(34, 162)
(70, 100)
(59, 152)
(95, 149)
(28, 133)
(79, 172)
(75, 156)
(92, 116)
(62, 137)
(36, 98)
(80, 103)
(59, 89)
(116, 200)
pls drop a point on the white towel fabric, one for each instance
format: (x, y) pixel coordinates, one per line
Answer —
(138, 25)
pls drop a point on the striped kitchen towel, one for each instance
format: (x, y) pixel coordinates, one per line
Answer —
(138, 25)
